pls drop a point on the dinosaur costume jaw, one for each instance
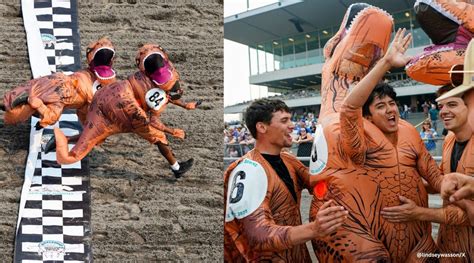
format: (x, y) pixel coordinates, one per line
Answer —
(100, 57)
(360, 42)
(101, 63)
(450, 27)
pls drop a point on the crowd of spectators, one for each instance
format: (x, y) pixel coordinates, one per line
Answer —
(238, 140)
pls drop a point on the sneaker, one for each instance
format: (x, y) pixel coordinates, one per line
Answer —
(183, 167)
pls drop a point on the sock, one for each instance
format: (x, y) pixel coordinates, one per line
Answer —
(175, 166)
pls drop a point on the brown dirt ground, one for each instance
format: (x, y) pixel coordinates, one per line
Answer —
(139, 212)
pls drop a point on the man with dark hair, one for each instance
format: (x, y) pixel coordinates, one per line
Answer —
(458, 150)
(391, 154)
(263, 194)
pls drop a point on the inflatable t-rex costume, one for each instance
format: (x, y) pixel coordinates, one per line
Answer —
(49, 95)
(450, 25)
(358, 167)
(132, 105)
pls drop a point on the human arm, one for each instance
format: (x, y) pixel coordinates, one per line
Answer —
(264, 235)
(189, 106)
(409, 211)
(309, 138)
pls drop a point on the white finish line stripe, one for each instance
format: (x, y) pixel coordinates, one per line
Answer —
(52, 221)
(73, 230)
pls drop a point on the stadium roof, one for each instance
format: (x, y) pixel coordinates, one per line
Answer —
(280, 19)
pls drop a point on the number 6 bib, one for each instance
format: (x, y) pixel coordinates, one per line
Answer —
(156, 98)
(247, 188)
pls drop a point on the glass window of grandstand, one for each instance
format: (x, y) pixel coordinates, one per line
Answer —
(253, 60)
(314, 52)
(300, 51)
(277, 54)
(288, 46)
(269, 58)
(262, 59)
(324, 36)
(406, 19)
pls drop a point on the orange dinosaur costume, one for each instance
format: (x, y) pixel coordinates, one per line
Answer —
(51, 94)
(258, 231)
(354, 164)
(457, 236)
(132, 105)
(450, 26)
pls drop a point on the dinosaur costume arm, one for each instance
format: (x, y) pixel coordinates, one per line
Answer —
(188, 106)
(427, 167)
(352, 133)
(262, 232)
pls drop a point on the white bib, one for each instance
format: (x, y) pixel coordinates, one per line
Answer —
(156, 98)
(247, 188)
(96, 86)
(319, 152)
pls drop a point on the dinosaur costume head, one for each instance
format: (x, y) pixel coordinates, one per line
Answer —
(361, 40)
(154, 62)
(100, 57)
(450, 26)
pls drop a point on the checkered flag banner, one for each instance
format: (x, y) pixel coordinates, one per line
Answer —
(54, 214)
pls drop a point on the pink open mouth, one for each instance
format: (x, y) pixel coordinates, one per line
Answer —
(161, 75)
(104, 72)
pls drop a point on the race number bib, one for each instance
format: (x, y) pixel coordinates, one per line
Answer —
(156, 98)
(319, 152)
(96, 86)
(247, 187)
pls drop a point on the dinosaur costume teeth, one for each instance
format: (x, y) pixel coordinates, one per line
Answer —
(450, 25)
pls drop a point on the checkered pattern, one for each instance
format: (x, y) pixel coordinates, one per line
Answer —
(55, 207)
(58, 28)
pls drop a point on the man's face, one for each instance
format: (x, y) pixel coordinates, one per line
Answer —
(280, 128)
(384, 114)
(453, 113)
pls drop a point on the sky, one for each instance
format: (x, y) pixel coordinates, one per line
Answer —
(236, 60)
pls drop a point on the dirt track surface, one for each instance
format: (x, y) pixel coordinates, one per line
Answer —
(139, 211)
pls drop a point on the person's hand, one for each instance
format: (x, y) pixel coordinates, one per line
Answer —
(178, 133)
(402, 213)
(193, 105)
(456, 186)
(395, 55)
(329, 219)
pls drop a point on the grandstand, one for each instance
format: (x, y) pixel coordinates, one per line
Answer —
(285, 41)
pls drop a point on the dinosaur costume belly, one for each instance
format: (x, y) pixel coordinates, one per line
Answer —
(385, 173)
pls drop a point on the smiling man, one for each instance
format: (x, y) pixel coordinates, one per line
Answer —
(458, 152)
(262, 215)
(392, 157)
